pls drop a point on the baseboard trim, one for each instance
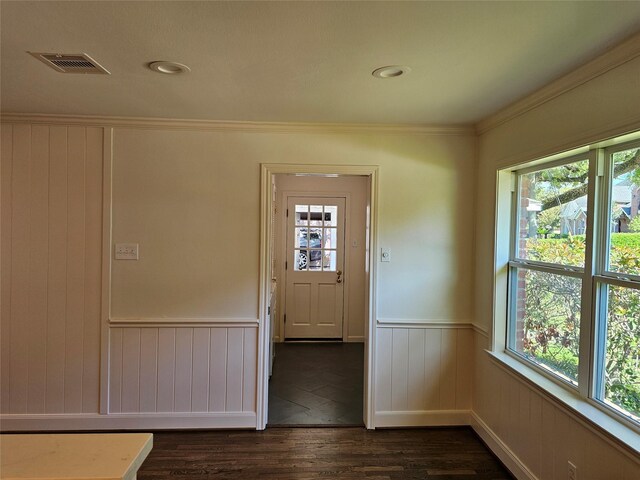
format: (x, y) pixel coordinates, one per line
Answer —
(422, 418)
(355, 339)
(500, 449)
(127, 421)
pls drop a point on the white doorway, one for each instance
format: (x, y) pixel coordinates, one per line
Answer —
(314, 268)
(268, 266)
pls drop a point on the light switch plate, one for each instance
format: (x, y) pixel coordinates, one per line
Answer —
(126, 251)
(385, 255)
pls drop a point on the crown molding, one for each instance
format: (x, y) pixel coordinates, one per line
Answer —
(234, 126)
(616, 56)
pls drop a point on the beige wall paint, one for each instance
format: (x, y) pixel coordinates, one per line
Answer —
(598, 109)
(356, 219)
(191, 200)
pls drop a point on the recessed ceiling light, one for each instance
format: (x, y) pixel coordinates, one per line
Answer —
(390, 71)
(170, 68)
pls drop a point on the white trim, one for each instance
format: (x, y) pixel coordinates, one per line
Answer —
(370, 331)
(319, 169)
(265, 291)
(105, 296)
(617, 56)
(234, 126)
(480, 330)
(185, 325)
(420, 323)
(266, 202)
(501, 450)
(585, 138)
(422, 418)
(355, 339)
(182, 322)
(124, 421)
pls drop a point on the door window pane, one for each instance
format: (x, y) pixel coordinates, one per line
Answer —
(300, 260)
(553, 214)
(622, 357)
(330, 238)
(315, 246)
(624, 203)
(547, 321)
(302, 214)
(329, 261)
(301, 238)
(315, 215)
(330, 215)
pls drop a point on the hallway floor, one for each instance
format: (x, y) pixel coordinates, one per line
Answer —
(317, 384)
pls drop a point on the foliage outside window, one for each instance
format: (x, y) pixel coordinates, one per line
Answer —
(572, 271)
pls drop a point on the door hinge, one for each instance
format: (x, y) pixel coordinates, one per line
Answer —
(287, 212)
(285, 318)
(286, 265)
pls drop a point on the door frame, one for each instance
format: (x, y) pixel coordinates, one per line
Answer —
(282, 273)
(266, 248)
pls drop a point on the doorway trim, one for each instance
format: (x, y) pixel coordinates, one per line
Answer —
(266, 204)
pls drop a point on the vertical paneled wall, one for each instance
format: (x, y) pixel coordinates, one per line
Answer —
(541, 435)
(182, 369)
(51, 268)
(423, 370)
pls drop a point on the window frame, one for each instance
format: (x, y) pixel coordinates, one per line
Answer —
(603, 278)
(595, 278)
(516, 263)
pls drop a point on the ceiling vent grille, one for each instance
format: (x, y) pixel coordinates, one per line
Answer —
(71, 63)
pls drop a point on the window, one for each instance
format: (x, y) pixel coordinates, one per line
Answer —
(316, 238)
(574, 274)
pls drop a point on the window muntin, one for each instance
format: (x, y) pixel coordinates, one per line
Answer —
(605, 260)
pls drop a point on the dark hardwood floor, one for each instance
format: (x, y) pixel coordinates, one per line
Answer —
(317, 384)
(322, 453)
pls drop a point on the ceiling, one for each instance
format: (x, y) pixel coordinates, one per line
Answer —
(301, 61)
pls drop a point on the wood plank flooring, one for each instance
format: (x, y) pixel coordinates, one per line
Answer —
(322, 453)
(317, 384)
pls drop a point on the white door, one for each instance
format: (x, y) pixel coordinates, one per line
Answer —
(314, 268)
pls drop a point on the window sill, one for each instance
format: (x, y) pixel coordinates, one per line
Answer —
(623, 436)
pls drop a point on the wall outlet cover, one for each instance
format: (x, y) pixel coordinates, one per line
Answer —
(126, 251)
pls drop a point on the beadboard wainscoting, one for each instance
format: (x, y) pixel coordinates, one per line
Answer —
(51, 269)
(423, 373)
(182, 369)
(535, 436)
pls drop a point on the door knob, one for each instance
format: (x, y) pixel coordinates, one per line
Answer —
(339, 280)
(339, 272)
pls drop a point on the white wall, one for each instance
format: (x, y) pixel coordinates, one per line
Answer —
(189, 196)
(541, 435)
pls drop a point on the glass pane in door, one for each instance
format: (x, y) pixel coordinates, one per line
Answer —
(302, 214)
(315, 238)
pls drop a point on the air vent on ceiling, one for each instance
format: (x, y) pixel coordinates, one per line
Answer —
(71, 63)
